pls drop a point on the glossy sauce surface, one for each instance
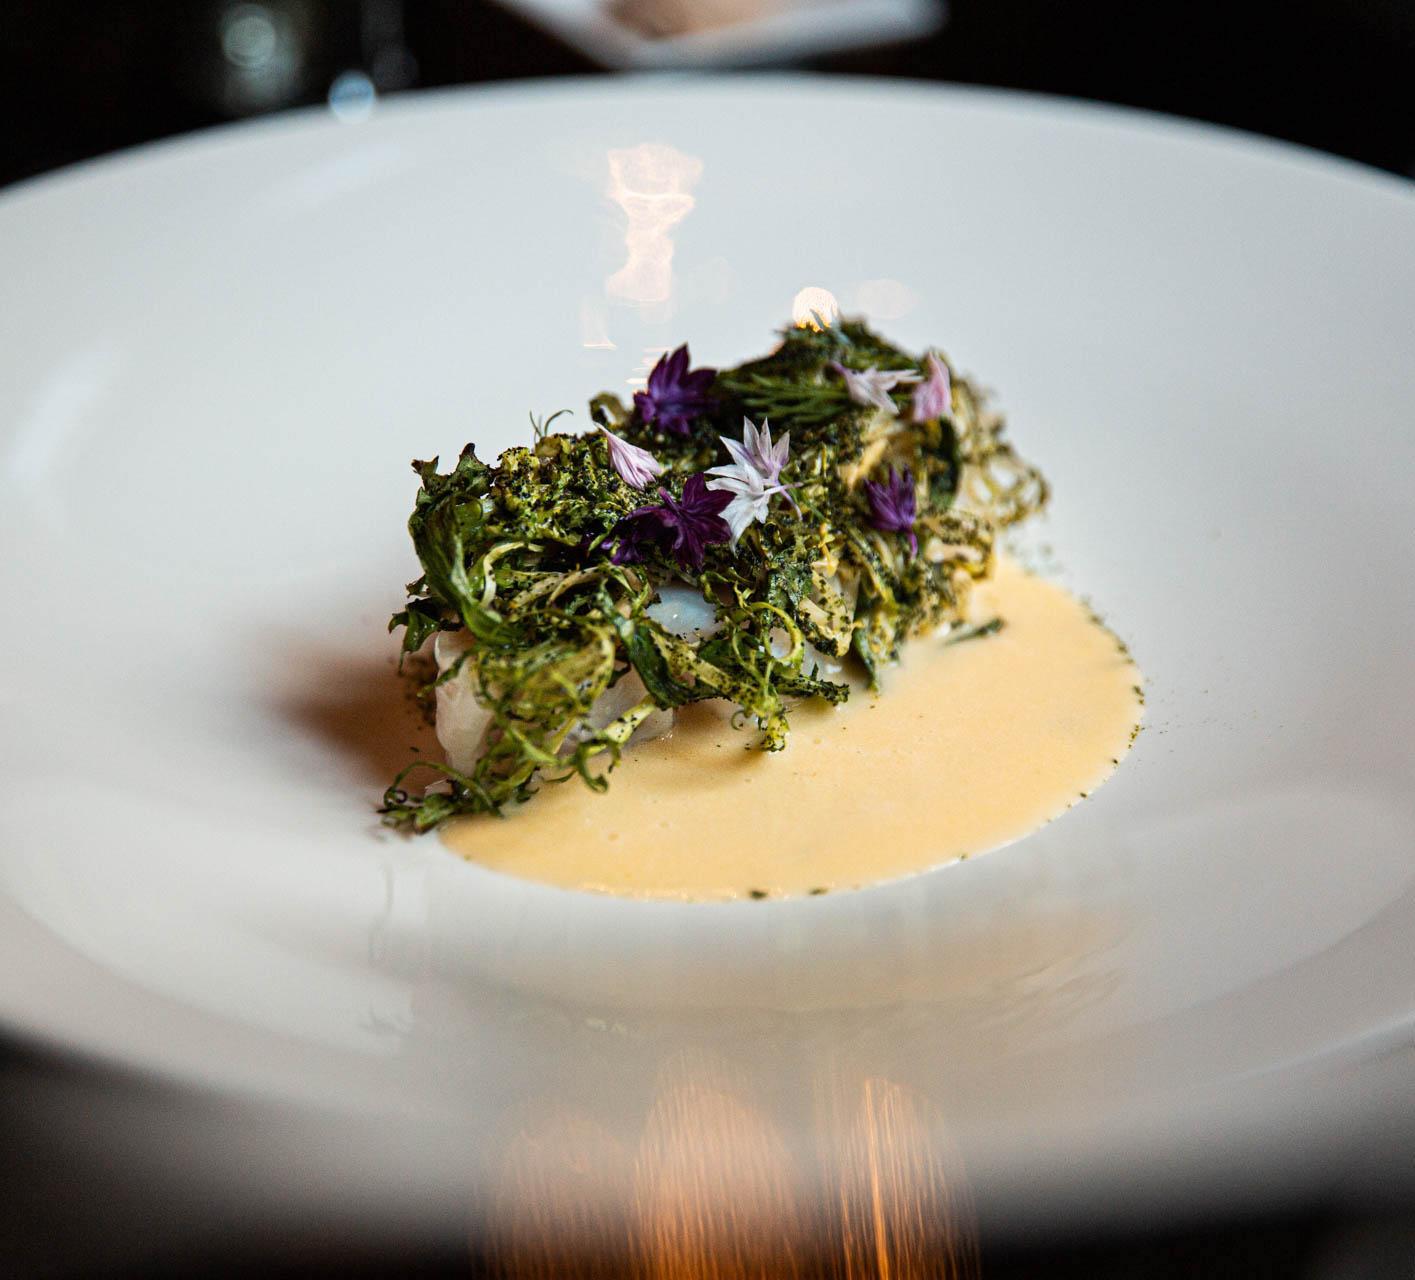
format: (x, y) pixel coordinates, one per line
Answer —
(969, 746)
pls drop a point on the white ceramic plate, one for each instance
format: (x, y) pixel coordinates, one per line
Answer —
(217, 358)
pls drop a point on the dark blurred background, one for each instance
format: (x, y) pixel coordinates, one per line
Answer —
(79, 78)
(83, 77)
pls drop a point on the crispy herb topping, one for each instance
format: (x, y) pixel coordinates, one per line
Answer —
(529, 558)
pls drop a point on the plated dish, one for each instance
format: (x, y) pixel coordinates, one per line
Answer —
(654, 579)
(212, 388)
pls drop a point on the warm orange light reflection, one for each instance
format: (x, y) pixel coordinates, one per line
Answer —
(902, 1209)
(713, 1191)
(559, 1211)
(652, 184)
(814, 308)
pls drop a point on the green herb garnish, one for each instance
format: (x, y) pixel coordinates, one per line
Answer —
(549, 561)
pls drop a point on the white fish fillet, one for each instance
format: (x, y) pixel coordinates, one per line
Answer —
(684, 612)
(461, 719)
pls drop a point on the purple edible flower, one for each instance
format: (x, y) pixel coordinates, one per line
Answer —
(631, 535)
(934, 397)
(892, 505)
(635, 466)
(674, 397)
(689, 525)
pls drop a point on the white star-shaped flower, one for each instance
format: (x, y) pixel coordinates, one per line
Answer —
(754, 476)
(872, 386)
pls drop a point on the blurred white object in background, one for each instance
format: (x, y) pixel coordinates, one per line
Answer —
(725, 33)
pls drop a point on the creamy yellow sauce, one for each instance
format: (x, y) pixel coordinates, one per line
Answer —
(969, 746)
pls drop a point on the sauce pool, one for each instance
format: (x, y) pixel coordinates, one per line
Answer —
(969, 746)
